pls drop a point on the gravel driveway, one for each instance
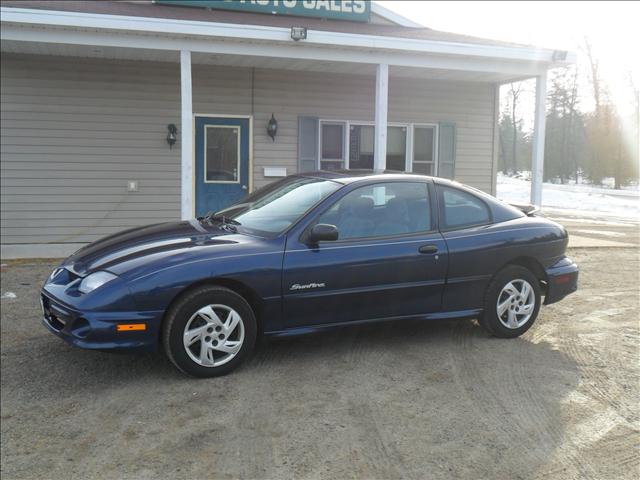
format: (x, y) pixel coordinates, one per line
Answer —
(413, 400)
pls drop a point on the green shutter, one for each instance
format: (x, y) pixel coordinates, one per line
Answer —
(447, 150)
(307, 144)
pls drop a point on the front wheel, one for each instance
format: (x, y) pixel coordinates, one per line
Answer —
(512, 302)
(209, 331)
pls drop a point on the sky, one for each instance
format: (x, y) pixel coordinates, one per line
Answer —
(613, 29)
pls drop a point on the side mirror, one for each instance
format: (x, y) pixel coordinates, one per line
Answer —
(323, 232)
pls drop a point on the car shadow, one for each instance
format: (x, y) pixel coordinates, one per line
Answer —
(393, 385)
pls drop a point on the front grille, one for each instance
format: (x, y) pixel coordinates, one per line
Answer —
(53, 316)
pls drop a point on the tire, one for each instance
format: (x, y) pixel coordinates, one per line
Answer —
(508, 289)
(223, 331)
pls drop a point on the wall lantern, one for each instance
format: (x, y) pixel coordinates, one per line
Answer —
(172, 135)
(559, 56)
(272, 128)
(298, 33)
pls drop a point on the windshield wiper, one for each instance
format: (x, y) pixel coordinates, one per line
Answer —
(225, 221)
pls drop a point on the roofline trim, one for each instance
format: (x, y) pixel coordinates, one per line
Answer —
(12, 15)
(129, 40)
(392, 16)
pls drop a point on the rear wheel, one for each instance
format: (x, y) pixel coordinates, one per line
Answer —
(209, 331)
(512, 302)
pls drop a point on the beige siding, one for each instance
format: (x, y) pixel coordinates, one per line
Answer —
(350, 97)
(74, 131)
(468, 105)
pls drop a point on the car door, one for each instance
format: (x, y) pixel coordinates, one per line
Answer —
(476, 247)
(389, 260)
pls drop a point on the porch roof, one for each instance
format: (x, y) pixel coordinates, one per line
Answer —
(148, 31)
(146, 8)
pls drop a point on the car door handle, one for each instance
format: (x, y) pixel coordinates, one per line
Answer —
(428, 249)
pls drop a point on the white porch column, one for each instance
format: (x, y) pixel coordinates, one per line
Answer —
(537, 157)
(382, 95)
(186, 136)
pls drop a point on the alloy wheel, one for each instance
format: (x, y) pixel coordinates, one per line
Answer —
(516, 303)
(213, 335)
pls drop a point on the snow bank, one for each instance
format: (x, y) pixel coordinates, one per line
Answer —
(575, 199)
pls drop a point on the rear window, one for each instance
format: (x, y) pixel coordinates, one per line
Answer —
(460, 209)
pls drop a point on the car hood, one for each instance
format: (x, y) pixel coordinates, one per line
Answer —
(162, 239)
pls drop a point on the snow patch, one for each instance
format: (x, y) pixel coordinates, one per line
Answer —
(583, 200)
(9, 295)
(606, 233)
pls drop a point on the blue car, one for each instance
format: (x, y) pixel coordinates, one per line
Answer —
(310, 252)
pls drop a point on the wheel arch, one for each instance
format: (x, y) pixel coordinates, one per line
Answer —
(531, 264)
(246, 292)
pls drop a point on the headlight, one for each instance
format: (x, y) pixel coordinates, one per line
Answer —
(95, 280)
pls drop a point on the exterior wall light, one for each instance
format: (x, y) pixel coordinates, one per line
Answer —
(559, 56)
(272, 128)
(298, 33)
(172, 135)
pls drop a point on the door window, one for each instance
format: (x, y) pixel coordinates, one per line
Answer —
(361, 147)
(423, 150)
(461, 209)
(222, 154)
(380, 210)
(397, 148)
(331, 146)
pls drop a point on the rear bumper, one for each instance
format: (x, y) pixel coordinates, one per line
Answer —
(98, 330)
(562, 279)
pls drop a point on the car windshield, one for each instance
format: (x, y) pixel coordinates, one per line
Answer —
(274, 208)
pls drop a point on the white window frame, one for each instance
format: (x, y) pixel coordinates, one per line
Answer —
(239, 159)
(436, 159)
(347, 140)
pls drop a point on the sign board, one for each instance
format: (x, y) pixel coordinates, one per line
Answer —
(353, 10)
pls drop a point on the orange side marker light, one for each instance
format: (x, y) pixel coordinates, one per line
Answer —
(129, 327)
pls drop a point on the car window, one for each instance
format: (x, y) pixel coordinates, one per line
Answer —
(380, 210)
(272, 210)
(462, 209)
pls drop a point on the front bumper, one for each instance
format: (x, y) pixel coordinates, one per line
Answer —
(562, 279)
(98, 330)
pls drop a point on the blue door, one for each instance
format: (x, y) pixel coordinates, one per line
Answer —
(222, 162)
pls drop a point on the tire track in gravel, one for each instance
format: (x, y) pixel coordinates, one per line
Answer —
(512, 419)
(595, 358)
(536, 408)
(624, 454)
(268, 354)
(372, 349)
(383, 458)
(357, 348)
(372, 352)
(598, 380)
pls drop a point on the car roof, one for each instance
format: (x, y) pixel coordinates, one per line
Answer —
(359, 175)
(346, 177)
(350, 176)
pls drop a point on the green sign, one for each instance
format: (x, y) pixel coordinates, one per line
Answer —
(353, 10)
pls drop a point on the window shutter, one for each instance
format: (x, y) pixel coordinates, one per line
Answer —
(447, 150)
(307, 144)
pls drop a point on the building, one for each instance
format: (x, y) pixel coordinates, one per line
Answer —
(118, 114)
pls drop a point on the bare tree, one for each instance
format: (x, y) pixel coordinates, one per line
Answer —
(609, 134)
(594, 67)
(573, 114)
(515, 90)
(598, 124)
